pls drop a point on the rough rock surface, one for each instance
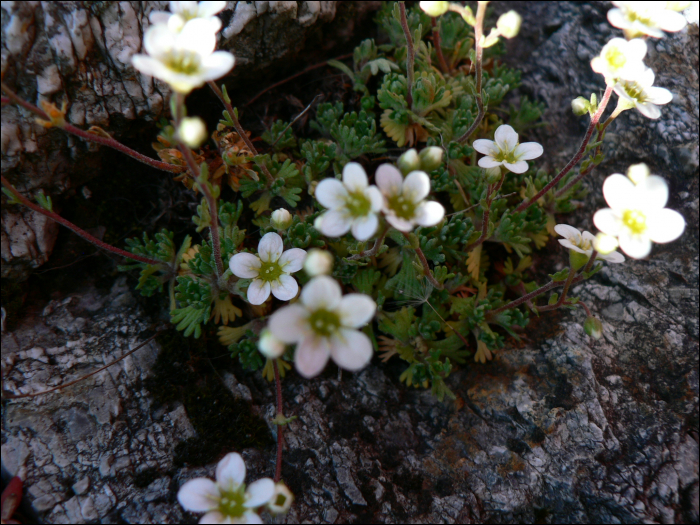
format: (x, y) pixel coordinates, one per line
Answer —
(81, 52)
(563, 429)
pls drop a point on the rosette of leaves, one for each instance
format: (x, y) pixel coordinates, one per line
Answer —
(287, 183)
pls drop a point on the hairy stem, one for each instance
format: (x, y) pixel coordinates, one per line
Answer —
(533, 295)
(239, 129)
(280, 428)
(577, 157)
(410, 55)
(78, 231)
(372, 251)
(493, 190)
(426, 269)
(92, 137)
(478, 36)
(438, 45)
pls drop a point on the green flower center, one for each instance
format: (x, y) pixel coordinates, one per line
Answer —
(270, 271)
(358, 204)
(615, 58)
(324, 322)
(634, 91)
(641, 16)
(403, 207)
(231, 502)
(184, 62)
(506, 155)
(635, 220)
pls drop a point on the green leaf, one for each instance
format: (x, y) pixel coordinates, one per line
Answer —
(560, 276)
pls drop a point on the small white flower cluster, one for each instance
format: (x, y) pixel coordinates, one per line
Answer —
(180, 46)
(228, 500)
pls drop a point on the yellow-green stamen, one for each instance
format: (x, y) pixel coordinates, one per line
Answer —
(635, 220)
(403, 208)
(270, 271)
(324, 322)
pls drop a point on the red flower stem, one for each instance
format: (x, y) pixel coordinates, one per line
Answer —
(478, 34)
(532, 295)
(280, 428)
(86, 135)
(372, 251)
(579, 154)
(82, 233)
(493, 190)
(410, 54)
(239, 129)
(438, 45)
(426, 269)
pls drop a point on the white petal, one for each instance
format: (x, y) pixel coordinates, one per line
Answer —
(607, 221)
(250, 517)
(566, 243)
(665, 225)
(292, 260)
(658, 95)
(588, 237)
(311, 356)
(416, 186)
(375, 197)
(616, 18)
(485, 146)
(364, 227)
(259, 492)
(217, 64)
(356, 310)
(648, 110)
(183, 6)
(321, 292)
(652, 193)
(213, 517)
(429, 213)
(351, 349)
(158, 40)
(568, 232)
(506, 138)
(528, 151)
(331, 193)
(198, 36)
(230, 472)
(150, 66)
(489, 162)
(636, 49)
(258, 291)
(207, 9)
(199, 495)
(334, 223)
(671, 21)
(618, 191)
(613, 257)
(159, 17)
(635, 246)
(354, 177)
(518, 167)
(400, 224)
(245, 265)
(289, 324)
(389, 180)
(270, 247)
(285, 288)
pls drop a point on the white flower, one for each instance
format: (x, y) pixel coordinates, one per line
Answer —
(506, 151)
(184, 59)
(404, 204)
(643, 95)
(281, 219)
(183, 12)
(508, 24)
(645, 18)
(620, 59)
(269, 345)
(227, 500)
(282, 499)
(192, 131)
(434, 8)
(324, 324)
(352, 204)
(318, 262)
(637, 215)
(584, 243)
(269, 270)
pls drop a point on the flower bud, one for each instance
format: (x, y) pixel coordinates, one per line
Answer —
(593, 327)
(605, 244)
(577, 260)
(492, 175)
(192, 131)
(430, 158)
(281, 219)
(580, 106)
(509, 24)
(281, 499)
(269, 345)
(638, 172)
(408, 162)
(435, 8)
(318, 262)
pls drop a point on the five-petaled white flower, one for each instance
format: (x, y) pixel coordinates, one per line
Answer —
(620, 59)
(324, 324)
(404, 205)
(637, 215)
(506, 151)
(228, 500)
(352, 204)
(183, 12)
(584, 243)
(645, 18)
(184, 59)
(642, 94)
(269, 270)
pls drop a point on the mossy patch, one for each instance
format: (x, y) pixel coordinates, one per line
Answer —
(223, 423)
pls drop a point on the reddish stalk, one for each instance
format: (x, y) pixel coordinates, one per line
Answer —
(280, 428)
(478, 33)
(372, 251)
(438, 45)
(78, 231)
(426, 269)
(86, 135)
(579, 154)
(410, 55)
(493, 190)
